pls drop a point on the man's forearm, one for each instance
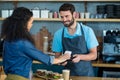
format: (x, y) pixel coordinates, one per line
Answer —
(88, 57)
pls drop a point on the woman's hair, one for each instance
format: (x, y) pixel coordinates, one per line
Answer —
(67, 7)
(15, 26)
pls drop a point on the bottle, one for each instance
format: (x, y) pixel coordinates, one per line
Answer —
(55, 15)
(45, 44)
(118, 33)
(114, 33)
(108, 33)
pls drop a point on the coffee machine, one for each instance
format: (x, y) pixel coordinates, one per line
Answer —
(111, 46)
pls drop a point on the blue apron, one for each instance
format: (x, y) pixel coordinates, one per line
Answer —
(78, 46)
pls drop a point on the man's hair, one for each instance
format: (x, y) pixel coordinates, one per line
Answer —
(67, 7)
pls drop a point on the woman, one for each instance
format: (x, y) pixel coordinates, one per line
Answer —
(18, 47)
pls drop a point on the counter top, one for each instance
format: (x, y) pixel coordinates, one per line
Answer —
(85, 78)
(72, 78)
(2, 77)
(98, 63)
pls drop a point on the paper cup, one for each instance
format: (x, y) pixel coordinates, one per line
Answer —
(66, 74)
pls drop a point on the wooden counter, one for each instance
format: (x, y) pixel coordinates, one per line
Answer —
(73, 78)
(99, 63)
(85, 78)
(3, 76)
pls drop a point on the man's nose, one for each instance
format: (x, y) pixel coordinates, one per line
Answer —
(64, 19)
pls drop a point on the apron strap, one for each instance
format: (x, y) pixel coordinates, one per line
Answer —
(62, 40)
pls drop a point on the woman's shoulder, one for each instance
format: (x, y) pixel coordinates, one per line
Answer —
(24, 42)
(18, 42)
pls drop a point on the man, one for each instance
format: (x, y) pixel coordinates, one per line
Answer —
(78, 38)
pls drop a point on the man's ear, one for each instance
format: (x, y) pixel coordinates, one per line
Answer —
(74, 14)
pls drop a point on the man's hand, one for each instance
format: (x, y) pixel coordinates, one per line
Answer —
(76, 59)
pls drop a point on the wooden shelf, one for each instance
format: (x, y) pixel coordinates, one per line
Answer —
(83, 20)
(102, 64)
(1, 19)
(64, 0)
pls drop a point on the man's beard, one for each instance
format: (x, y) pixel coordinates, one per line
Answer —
(71, 23)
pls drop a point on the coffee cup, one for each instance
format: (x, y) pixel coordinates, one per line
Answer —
(66, 74)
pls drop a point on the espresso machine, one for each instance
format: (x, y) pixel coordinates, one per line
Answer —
(111, 46)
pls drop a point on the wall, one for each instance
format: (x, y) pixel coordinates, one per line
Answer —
(97, 26)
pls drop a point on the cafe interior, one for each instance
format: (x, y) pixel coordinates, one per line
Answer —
(103, 16)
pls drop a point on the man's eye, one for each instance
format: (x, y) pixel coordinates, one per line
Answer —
(66, 16)
(61, 17)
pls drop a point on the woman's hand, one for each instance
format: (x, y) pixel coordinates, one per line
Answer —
(62, 59)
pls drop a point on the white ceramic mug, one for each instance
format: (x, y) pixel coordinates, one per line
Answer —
(87, 15)
(82, 15)
(50, 14)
